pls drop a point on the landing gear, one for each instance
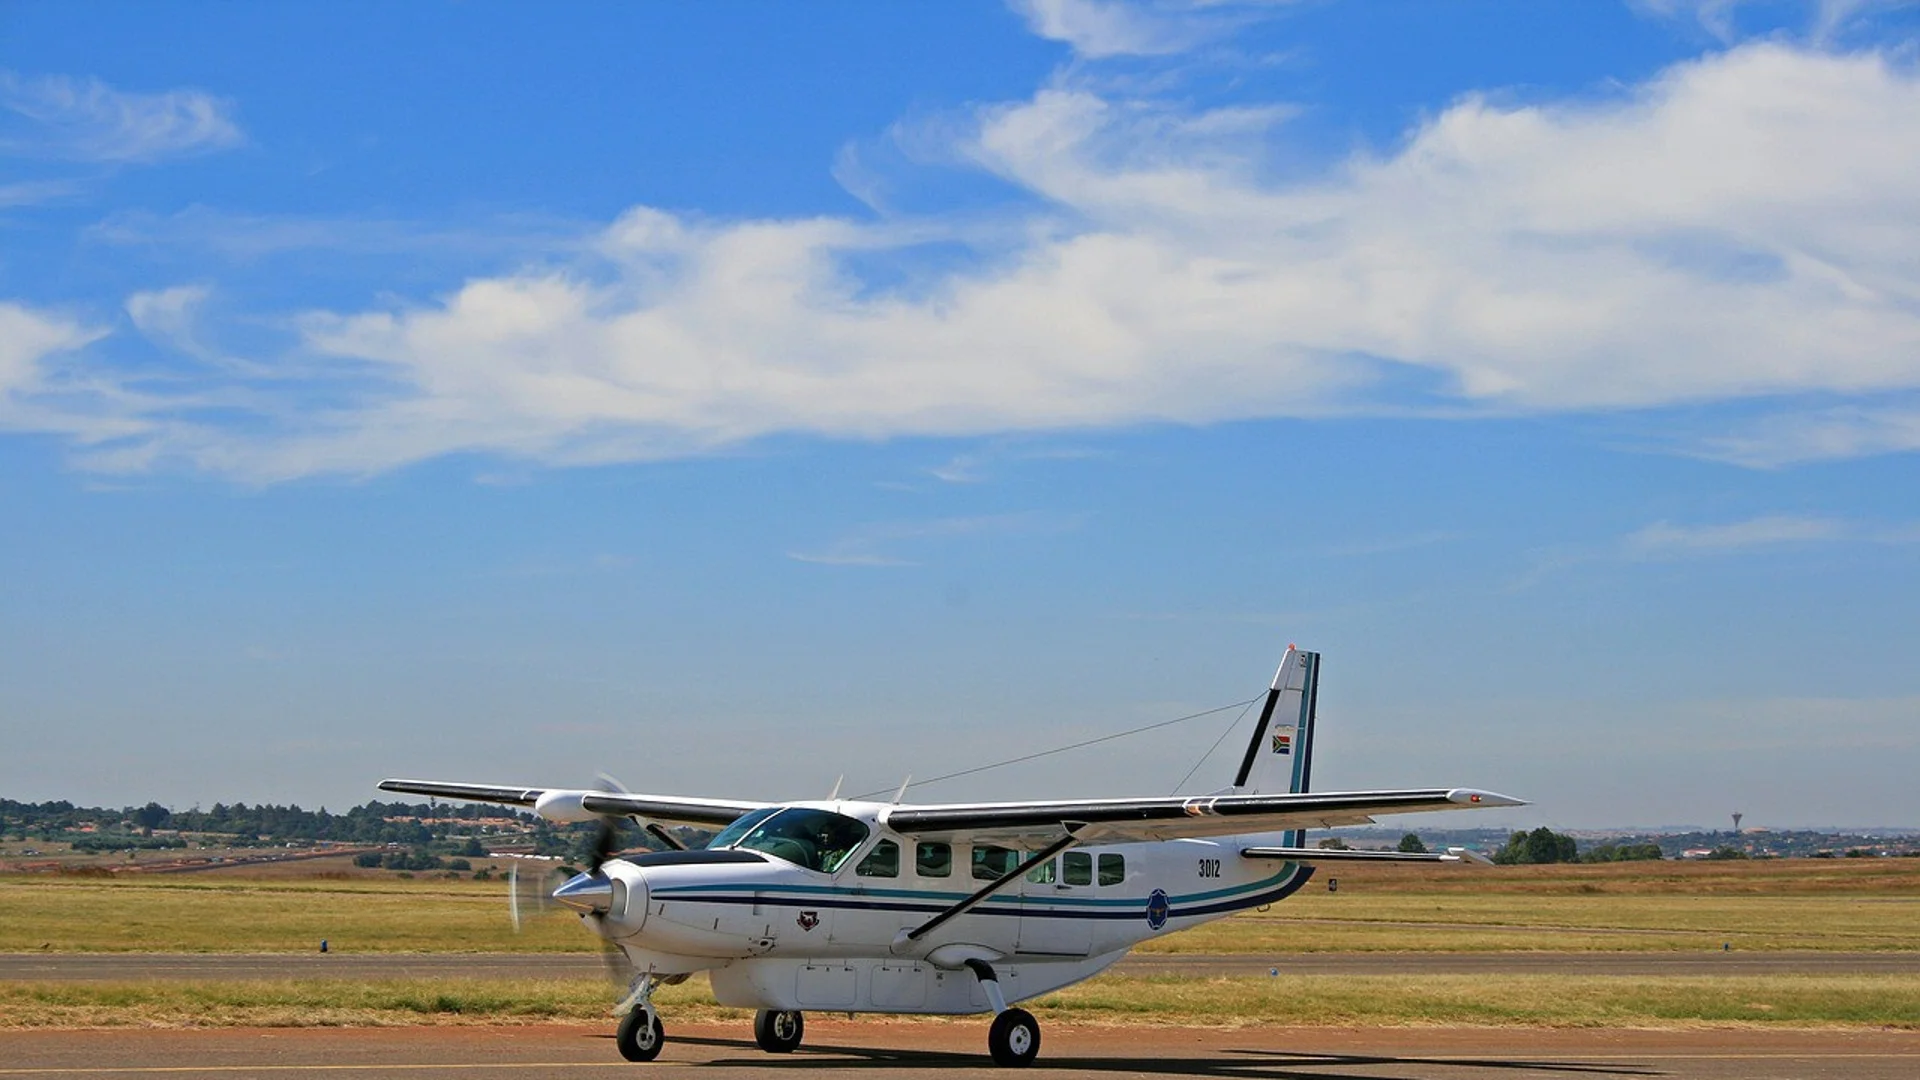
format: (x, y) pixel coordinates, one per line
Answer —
(778, 1032)
(640, 1036)
(1014, 1039)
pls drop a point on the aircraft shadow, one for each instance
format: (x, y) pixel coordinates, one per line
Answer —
(1250, 1065)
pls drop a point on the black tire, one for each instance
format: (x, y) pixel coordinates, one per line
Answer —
(778, 1032)
(639, 1040)
(1014, 1039)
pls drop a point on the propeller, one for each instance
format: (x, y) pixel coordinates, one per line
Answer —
(606, 846)
(529, 894)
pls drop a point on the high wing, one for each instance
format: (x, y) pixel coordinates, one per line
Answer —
(1034, 824)
(572, 804)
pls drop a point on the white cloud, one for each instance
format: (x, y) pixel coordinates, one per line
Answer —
(1663, 539)
(1823, 434)
(1097, 29)
(167, 314)
(1826, 18)
(1744, 225)
(872, 544)
(88, 120)
(37, 396)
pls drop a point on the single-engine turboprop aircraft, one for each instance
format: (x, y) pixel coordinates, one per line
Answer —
(856, 906)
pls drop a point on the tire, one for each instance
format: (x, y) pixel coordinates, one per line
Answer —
(778, 1032)
(638, 1040)
(1014, 1039)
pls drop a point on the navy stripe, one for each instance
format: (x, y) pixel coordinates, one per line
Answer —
(1287, 887)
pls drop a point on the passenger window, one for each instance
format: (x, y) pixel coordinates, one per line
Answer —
(1113, 869)
(1042, 874)
(1078, 867)
(882, 861)
(933, 860)
(990, 863)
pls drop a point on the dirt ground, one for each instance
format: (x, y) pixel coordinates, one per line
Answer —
(909, 1049)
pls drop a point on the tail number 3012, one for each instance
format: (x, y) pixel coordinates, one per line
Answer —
(1209, 867)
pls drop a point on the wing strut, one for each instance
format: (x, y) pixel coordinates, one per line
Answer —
(1306, 854)
(993, 886)
(665, 837)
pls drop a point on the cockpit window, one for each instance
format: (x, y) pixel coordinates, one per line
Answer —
(731, 835)
(816, 839)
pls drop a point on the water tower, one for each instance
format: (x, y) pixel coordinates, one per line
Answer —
(1737, 815)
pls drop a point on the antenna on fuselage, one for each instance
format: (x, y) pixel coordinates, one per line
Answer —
(904, 784)
(837, 781)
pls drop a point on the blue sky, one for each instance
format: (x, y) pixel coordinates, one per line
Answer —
(730, 397)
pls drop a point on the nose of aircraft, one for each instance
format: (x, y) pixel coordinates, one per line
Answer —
(586, 893)
(617, 892)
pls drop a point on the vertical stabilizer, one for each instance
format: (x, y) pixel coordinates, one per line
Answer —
(1279, 758)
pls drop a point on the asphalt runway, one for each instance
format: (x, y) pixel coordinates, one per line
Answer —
(916, 1050)
(106, 967)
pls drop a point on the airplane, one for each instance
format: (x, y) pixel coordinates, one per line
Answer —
(851, 905)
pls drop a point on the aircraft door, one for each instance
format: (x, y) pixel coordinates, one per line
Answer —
(1050, 923)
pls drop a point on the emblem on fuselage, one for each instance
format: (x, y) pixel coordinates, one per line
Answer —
(1157, 909)
(808, 920)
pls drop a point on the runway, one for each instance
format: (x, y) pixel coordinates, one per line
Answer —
(110, 967)
(943, 1049)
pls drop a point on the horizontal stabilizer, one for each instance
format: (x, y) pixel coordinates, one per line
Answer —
(1315, 855)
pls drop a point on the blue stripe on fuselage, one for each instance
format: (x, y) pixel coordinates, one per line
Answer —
(1265, 891)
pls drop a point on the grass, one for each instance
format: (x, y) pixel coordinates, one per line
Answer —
(1843, 905)
(169, 914)
(1830, 905)
(1533, 1000)
(1825, 904)
(1304, 1000)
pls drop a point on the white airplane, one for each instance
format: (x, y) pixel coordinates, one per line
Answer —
(851, 906)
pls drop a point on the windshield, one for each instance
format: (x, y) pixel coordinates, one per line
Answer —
(732, 833)
(816, 839)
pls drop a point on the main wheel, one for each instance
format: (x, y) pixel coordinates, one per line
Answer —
(1014, 1038)
(778, 1032)
(639, 1040)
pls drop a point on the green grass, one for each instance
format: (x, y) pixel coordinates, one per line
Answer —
(1304, 1000)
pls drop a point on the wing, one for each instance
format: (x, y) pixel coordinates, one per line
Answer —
(573, 804)
(1033, 824)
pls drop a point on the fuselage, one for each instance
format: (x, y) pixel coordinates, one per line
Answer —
(792, 909)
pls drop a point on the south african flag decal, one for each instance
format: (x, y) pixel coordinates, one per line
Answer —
(1283, 742)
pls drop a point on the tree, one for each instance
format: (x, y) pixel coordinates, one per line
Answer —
(1411, 843)
(1542, 845)
(151, 816)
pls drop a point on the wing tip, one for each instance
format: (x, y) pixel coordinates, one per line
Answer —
(1482, 799)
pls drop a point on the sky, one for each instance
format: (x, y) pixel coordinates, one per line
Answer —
(732, 398)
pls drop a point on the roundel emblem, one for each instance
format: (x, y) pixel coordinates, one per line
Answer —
(1158, 909)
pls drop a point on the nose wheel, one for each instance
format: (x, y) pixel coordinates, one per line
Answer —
(641, 1035)
(778, 1032)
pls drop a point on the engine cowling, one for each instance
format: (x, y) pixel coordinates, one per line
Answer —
(565, 806)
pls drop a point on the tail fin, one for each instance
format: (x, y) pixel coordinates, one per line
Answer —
(1279, 758)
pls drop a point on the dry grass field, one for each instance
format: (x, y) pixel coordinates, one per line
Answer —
(1823, 904)
(1851, 905)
